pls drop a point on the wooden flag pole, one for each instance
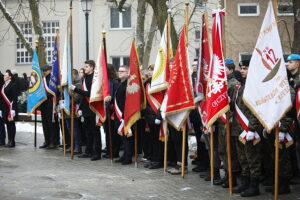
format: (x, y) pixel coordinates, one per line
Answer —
(276, 162)
(187, 21)
(229, 152)
(183, 150)
(35, 118)
(108, 110)
(211, 155)
(135, 146)
(72, 94)
(61, 94)
(168, 54)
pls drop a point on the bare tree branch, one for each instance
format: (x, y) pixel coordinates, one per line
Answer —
(140, 28)
(148, 46)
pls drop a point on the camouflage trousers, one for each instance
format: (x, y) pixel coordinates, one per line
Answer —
(249, 157)
(222, 149)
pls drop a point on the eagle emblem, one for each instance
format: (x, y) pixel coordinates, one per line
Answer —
(132, 87)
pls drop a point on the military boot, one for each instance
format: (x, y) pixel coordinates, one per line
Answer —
(253, 189)
(245, 181)
(222, 180)
(226, 183)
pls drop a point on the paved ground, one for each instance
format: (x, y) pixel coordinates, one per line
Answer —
(29, 173)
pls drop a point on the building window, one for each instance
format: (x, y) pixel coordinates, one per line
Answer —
(23, 56)
(197, 35)
(248, 9)
(49, 29)
(197, 50)
(120, 20)
(245, 56)
(119, 61)
(285, 9)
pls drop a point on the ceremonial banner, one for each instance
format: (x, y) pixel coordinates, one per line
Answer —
(217, 97)
(135, 96)
(267, 91)
(161, 72)
(203, 62)
(100, 86)
(66, 71)
(179, 99)
(54, 78)
(37, 94)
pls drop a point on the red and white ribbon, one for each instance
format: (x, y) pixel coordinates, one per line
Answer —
(9, 104)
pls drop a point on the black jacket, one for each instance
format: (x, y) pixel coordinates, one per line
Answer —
(11, 94)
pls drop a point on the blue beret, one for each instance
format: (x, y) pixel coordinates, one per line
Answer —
(293, 57)
(229, 61)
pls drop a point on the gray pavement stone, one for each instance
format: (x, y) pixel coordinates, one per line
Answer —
(29, 173)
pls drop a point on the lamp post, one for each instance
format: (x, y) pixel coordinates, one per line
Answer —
(86, 8)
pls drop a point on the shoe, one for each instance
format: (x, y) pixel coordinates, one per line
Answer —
(9, 145)
(120, 160)
(216, 176)
(177, 170)
(77, 152)
(85, 155)
(196, 162)
(43, 146)
(253, 189)
(147, 165)
(155, 165)
(104, 150)
(245, 183)
(93, 158)
(200, 169)
(52, 146)
(126, 162)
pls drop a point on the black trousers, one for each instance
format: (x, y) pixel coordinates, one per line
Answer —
(50, 129)
(176, 138)
(115, 138)
(93, 136)
(128, 147)
(157, 145)
(11, 131)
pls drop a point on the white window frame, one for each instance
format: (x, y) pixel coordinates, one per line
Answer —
(121, 58)
(21, 51)
(121, 19)
(284, 14)
(197, 39)
(250, 14)
(51, 36)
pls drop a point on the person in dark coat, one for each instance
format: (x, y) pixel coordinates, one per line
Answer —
(9, 107)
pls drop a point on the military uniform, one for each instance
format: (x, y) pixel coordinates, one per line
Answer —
(249, 155)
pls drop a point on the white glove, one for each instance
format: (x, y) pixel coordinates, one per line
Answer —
(13, 113)
(157, 121)
(72, 87)
(0, 113)
(59, 115)
(265, 134)
(281, 136)
(250, 136)
(79, 112)
(61, 103)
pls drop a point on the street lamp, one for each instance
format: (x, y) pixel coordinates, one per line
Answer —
(86, 8)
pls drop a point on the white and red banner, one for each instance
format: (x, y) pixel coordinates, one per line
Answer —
(179, 100)
(267, 91)
(100, 87)
(135, 96)
(216, 94)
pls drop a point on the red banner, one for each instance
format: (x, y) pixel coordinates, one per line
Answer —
(216, 96)
(135, 96)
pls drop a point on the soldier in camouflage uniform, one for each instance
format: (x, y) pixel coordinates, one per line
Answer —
(222, 147)
(248, 152)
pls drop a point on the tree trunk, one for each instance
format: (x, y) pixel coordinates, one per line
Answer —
(38, 29)
(140, 29)
(16, 28)
(149, 42)
(296, 43)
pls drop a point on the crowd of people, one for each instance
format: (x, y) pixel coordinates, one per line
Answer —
(252, 159)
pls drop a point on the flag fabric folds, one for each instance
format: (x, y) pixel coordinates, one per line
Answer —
(267, 91)
(100, 86)
(179, 100)
(135, 96)
(216, 97)
(66, 71)
(37, 94)
(54, 82)
(161, 72)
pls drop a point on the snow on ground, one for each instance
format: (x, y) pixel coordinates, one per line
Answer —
(28, 127)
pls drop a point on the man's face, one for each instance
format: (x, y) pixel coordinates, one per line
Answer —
(88, 69)
(150, 72)
(229, 71)
(293, 65)
(244, 71)
(46, 73)
(123, 73)
(194, 66)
